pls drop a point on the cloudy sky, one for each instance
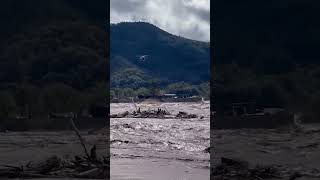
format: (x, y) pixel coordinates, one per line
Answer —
(187, 18)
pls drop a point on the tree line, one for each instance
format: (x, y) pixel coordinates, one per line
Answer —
(202, 90)
(33, 104)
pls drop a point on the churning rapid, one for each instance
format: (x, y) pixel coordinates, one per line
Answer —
(184, 141)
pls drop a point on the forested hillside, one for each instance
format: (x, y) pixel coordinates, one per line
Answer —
(171, 60)
(53, 56)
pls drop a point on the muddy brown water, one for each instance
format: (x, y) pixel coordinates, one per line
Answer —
(155, 149)
(297, 151)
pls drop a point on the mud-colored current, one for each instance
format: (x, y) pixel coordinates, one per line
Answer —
(160, 148)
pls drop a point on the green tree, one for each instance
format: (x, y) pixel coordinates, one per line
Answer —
(143, 92)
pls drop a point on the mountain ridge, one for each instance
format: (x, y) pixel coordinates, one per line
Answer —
(147, 23)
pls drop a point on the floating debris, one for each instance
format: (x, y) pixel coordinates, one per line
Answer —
(185, 115)
(55, 167)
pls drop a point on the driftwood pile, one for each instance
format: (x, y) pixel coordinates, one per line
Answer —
(233, 169)
(55, 167)
(159, 113)
(150, 113)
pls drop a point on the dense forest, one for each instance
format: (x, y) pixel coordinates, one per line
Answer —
(267, 52)
(53, 57)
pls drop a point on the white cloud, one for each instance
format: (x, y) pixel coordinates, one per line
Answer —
(187, 18)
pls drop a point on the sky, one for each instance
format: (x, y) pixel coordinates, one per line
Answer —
(186, 18)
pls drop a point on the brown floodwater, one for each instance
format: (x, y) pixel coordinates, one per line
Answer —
(146, 148)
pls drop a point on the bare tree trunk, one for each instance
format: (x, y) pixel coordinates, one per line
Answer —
(79, 136)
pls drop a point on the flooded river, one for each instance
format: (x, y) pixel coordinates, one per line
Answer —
(171, 149)
(153, 149)
(147, 148)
